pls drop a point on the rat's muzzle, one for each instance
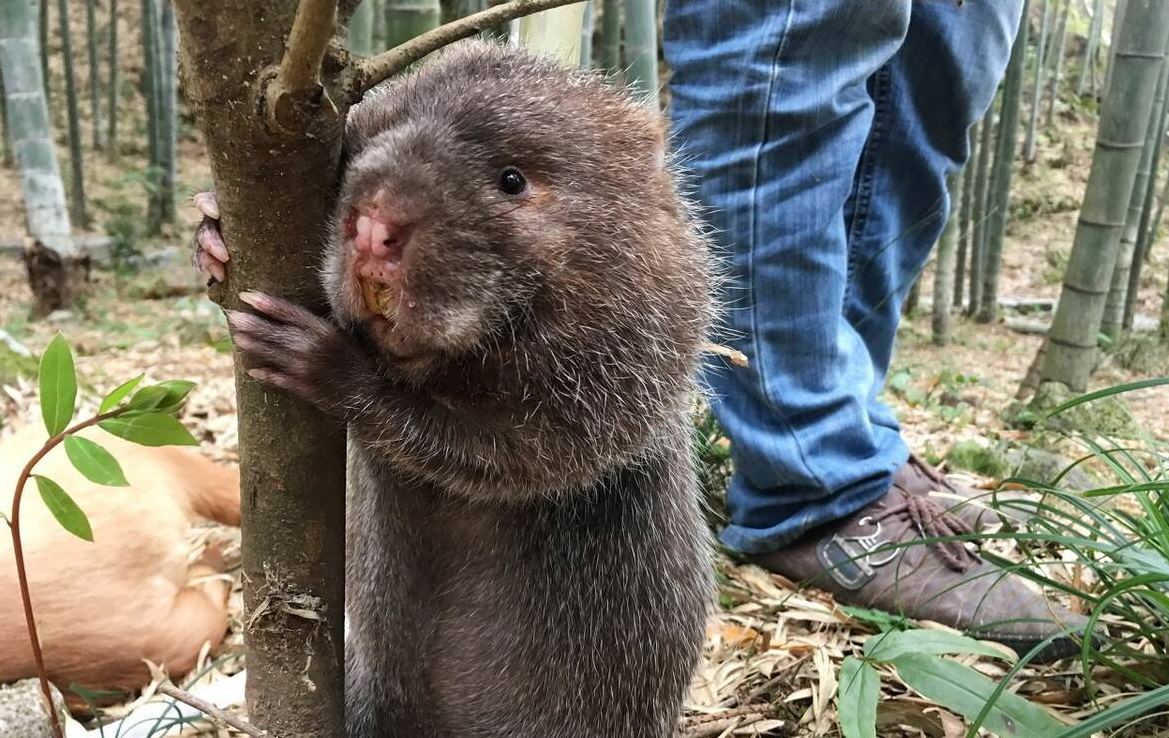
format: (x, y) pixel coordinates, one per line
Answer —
(379, 240)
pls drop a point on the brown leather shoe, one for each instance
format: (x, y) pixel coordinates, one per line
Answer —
(973, 506)
(944, 582)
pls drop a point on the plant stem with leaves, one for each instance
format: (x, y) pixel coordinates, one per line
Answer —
(146, 418)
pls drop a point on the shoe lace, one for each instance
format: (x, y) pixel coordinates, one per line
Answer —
(933, 521)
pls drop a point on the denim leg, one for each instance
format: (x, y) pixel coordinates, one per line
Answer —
(938, 84)
(771, 113)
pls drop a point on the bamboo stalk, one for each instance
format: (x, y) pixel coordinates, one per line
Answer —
(112, 151)
(979, 213)
(944, 266)
(1091, 50)
(1061, 35)
(1004, 168)
(641, 48)
(1041, 52)
(964, 222)
(77, 165)
(1111, 323)
(1072, 339)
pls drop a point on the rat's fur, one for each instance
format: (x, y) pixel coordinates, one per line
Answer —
(526, 553)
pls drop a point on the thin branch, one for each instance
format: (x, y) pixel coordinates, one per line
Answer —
(210, 710)
(22, 573)
(296, 92)
(368, 72)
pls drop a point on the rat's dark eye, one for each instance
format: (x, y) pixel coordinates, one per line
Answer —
(512, 182)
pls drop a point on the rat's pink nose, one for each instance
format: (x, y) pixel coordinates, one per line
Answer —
(384, 239)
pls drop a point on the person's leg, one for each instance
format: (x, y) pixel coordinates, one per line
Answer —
(938, 84)
(771, 113)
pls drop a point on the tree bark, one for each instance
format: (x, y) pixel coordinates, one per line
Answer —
(641, 48)
(998, 209)
(944, 265)
(1061, 37)
(77, 164)
(1041, 52)
(1111, 323)
(91, 51)
(1120, 138)
(275, 197)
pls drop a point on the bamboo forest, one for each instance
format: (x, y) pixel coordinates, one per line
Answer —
(623, 368)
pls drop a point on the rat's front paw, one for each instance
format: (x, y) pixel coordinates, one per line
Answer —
(299, 351)
(210, 251)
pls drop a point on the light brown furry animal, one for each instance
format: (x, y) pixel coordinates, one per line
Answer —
(132, 594)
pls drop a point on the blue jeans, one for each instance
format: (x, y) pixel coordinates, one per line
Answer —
(820, 134)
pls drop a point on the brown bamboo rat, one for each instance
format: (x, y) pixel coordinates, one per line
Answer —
(519, 298)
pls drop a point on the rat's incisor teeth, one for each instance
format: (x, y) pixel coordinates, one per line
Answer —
(378, 299)
(369, 295)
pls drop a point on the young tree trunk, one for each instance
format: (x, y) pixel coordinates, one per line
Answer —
(112, 100)
(361, 29)
(151, 88)
(947, 253)
(46, 216)
(641, 48)
(77, 168)
(1091, 51)
(964, 222)
(1041, 52)
(1123, 120)
(167, 65)
(406, 19)
(611, 36)
(999, 195)
(1144, 233)
(1111, 322)
(91, 49)
(979, 214)
(291, 456)
(1061, 37)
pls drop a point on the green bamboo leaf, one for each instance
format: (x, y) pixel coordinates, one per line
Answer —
(965, 691)
(856, 698)
(888, 646)
(63, 508)
(58, 385)
(150, 429)
(94, 462)
(119, 393)
(1107, 392)
(1120, 712)
(164, 397)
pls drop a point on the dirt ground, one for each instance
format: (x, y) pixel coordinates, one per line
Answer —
(772, 656)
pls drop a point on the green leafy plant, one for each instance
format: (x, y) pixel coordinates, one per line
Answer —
(143, 415)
